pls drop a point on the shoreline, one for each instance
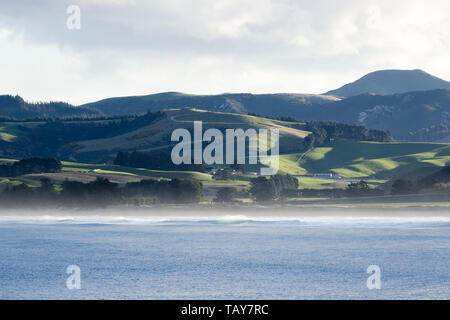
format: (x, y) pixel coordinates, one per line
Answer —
(214, 211)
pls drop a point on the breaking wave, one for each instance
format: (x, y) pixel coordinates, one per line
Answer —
(226, 220)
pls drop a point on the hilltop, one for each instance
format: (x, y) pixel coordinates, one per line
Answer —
(385, 82)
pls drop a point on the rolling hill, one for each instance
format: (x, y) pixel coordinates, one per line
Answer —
(372, 161)
(349, 159)
(156, 136)
(386, 82)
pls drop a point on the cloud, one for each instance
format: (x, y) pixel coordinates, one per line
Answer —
(203, 46)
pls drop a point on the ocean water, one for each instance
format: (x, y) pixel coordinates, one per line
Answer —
(224, 257)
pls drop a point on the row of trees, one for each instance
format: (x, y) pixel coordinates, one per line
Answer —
(272, 188)
(71, 118)
(102, 193)
(262, 188)
(16, 108)
(282, 118)
(322, 132)
(166, 191)
(98, 193)
(284, 186)
(29, 166)
(440, 180)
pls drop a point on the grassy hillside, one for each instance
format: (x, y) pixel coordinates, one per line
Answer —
(10, 131)
(367, 159)
(346, 158)
(119, 174)
(364, 160)
(106, 169)
(156, 136)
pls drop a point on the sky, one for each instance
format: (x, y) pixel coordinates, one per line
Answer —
(137, 47)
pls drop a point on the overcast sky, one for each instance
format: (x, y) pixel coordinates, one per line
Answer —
(131, 47)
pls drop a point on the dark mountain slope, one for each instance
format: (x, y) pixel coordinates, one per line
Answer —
(399, 113)
(264, 104)
(408, 116)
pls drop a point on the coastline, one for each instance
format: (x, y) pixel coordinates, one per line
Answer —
(281, 211)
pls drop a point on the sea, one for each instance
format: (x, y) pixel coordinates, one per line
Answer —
(224, 256)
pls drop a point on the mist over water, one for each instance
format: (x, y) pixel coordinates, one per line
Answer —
(225, 254)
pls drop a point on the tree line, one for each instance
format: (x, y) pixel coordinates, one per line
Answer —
(101, 193)
(263, 188)
(323, 131)
(16, 108)
(437, 181)
(70, 118)
(29, 166)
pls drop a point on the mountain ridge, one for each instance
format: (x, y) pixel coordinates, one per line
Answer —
(417, 115)
(225, 102)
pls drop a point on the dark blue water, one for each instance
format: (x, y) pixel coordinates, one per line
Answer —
(216, 260)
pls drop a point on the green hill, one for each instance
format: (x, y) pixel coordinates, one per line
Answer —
(151, 133)
(349, 159)
(367, 159)
(156, 136)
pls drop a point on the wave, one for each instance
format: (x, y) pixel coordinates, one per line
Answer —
(226, 220)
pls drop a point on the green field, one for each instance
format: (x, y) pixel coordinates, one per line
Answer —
(9, 131)
(105, 168)
(349, 159)
(207, 180)
(367, 159)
